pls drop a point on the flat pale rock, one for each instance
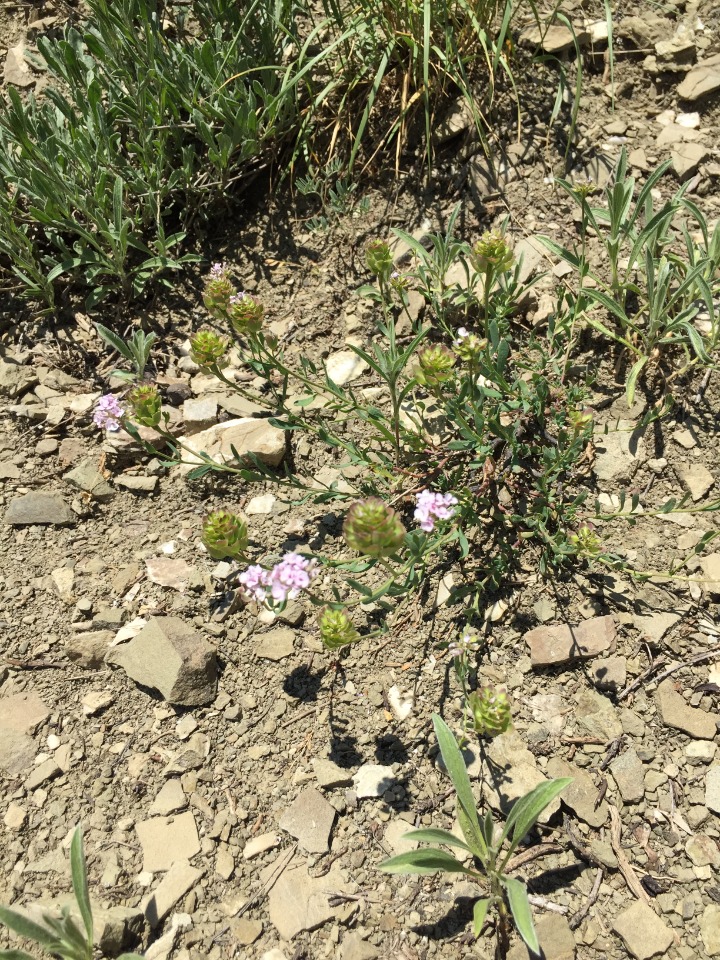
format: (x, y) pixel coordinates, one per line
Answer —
(710, 929)
(170, 799)
(245, 931)
(561, 644)
(88, 649)
(355, 948)
(95, 701)
(676, 712)
(629, 775)
(169, 572)
(703, 851)
(179, 879)
(41, 774)
(260, 844)
(710, 566)
(704, 78)
(169, 656)
(276, 644)
(329, 775)
(596, 714)
(619, 452)
(556, 940)
(344, 366)
(609, 673)
(655, 627)
(300, 902)
(581, 795)
(310, 819)
(16, 69)
(248, 435)
(696, 479)
(712, 789)
(643, 932)
(512, 772)
(17, 752)
(165, 840)
(87, 477)
(23, 712)
(555, 38)
(39, 507)
(372, 780)
(136, 484)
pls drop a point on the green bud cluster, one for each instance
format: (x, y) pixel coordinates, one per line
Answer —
(336, 629)
(490, 709)
(219, 288)
(373, 528)
(493, 251)
(145, 405)
(225, 534)
(207, 348)
(378, 258)
(245, 314)
(586, 542)
(435, 365)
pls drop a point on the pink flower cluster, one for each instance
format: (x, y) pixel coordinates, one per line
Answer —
(108, 413)
(285, 581)
(431, 507)
(217, 270)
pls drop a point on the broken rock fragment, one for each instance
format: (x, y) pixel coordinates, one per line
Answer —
(169, 656)
(676, 712)
(562, 644)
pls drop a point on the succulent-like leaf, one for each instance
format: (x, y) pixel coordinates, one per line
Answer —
(527, 809)
(434, 835)
(480, 910)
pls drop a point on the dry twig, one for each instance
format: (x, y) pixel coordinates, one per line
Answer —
(626, 868)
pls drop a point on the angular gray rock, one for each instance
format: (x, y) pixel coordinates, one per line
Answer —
(276, 644)
(87, 477)
(704, 78)
(165, 840)
(556, 940)
(619, 452)
(179, 879)
(329, 775)
(247, 435)
(40, 507)
(710, 929)
(676, 712)
(581, 795)
(310, 819)
(561, 643)
(712, 788)
(300, 902)
(512, 772)
(596, 714)
(629, 775)
(643, 932)
(372, 780)
(88, 650)
(169, 656)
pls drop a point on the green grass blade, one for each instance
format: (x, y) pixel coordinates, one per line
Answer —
(78, 869)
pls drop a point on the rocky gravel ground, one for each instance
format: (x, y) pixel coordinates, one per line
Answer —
(237, 791)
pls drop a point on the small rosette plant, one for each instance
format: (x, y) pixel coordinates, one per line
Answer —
(225, 535)
(499, 892)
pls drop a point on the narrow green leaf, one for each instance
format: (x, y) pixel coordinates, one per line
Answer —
(480, 910)
(424, 861)
(24, 927)
(78, 870)
(521, 912)
(15, 955)
(637, 367)
(113, 340)
(435, 835)
(455, 766)
(527, 809)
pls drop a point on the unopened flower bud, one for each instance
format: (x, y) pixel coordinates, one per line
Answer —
(580, 420)
(336, 629)
(490, 709)
(246, 314)
(373, 528)
(399, 281)
(468, 346)
(378, 257)
(494, 251)
(207, 348)
(225, 535)
(435, 365)
(586, 542)
(145, 404)
(218, 290)
(583, 188)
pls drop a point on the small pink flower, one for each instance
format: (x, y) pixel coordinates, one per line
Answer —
(431, 507)
(292, 575)
(108, 413)
(255, 583)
